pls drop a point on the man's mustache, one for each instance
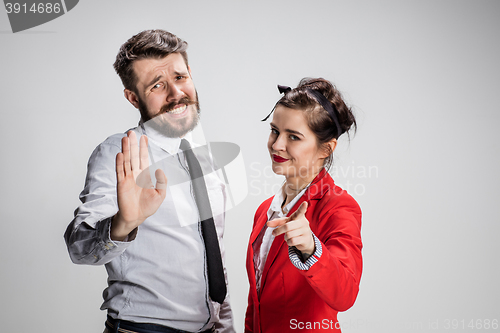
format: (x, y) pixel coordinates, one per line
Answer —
(170, 106)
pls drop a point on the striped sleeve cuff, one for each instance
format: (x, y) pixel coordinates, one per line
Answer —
(295, 256)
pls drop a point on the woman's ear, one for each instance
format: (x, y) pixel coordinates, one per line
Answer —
(328, 148)
(333, 145)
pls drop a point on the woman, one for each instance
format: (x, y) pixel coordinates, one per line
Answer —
(304, 256)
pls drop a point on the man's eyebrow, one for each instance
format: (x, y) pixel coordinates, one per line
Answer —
(183, 73)
(153, 81)
(158, 77)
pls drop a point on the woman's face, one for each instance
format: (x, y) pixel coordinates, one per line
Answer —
(293, 147)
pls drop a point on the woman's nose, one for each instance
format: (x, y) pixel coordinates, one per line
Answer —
(279, 144)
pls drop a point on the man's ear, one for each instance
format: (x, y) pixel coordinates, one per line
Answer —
(189, 70)
(131, 97)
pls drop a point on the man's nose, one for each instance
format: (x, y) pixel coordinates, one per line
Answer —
(175, 93)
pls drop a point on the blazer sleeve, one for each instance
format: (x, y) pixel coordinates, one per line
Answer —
(252, 292)
(249, 315)
(337, 273)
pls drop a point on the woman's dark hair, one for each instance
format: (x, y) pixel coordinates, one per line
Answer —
(318, 119)
(155, 44)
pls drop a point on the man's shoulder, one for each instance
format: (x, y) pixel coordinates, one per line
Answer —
(108, 148)
(116, 139)
(113, 140)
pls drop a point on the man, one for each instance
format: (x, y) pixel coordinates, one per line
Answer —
(150, 236)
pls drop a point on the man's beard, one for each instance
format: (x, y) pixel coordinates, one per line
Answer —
(162, 122)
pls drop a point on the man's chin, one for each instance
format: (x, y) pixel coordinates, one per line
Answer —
(173, 127)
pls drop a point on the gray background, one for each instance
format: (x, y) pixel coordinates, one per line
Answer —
(422, 76)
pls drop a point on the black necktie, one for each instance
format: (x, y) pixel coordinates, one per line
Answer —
(216, 281)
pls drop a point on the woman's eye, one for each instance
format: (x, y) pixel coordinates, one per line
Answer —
(274, 131)
(294, 137)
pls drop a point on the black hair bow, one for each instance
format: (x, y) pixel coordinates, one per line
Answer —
(282, 90)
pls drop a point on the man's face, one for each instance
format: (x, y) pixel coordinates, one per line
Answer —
(165, 94)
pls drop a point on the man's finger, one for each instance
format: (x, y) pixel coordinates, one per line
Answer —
(134, 150)
(143, 152)
(126, 156)
(161, 181)
(119, 167)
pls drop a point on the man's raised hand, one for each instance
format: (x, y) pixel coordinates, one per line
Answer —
(137, 197)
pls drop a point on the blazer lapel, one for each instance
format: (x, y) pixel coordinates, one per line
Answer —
(317, 190)
(259, 224)
(278, 242)
(258, 227)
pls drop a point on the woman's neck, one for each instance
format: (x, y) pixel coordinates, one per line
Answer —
(293, 186)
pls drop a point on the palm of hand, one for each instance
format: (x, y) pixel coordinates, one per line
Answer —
(137, 197)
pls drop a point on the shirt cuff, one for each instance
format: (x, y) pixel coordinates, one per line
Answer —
(295, 256)
(130, 237)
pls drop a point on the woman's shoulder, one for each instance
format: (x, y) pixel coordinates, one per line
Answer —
(333, 196)
(264, 206)
(262, 210)
(335, 210)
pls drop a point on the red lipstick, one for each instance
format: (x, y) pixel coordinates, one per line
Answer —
(279, 159)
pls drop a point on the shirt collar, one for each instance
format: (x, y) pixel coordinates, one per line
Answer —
(278, 200)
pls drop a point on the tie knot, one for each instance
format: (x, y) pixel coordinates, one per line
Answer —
(185, 145)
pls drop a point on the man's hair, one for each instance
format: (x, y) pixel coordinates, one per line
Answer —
(155, 44)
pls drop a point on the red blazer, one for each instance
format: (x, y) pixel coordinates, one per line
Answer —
(292, 300)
